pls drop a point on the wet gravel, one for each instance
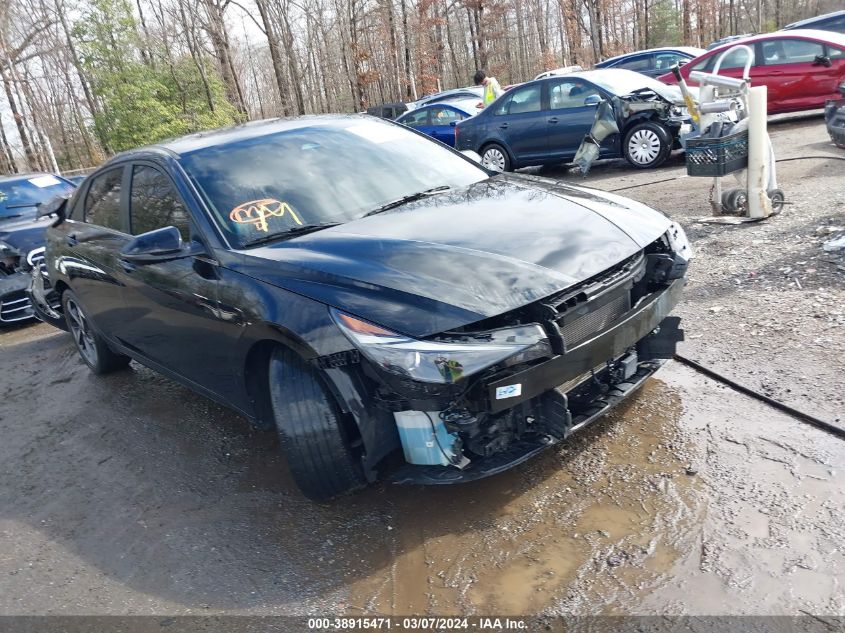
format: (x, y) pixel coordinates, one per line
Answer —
(129, 494)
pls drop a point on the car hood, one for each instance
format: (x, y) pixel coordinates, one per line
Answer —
(460, 256)
(673, 94)
(24, 233)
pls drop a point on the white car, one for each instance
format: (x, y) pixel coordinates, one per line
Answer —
(558, 71)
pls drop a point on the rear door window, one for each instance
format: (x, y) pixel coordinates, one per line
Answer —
(154, 203)
(102, 201)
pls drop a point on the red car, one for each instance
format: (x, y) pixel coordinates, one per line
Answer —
(802, 68)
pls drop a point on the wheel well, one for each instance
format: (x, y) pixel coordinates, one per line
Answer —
(257, 380)
(643, 118)
(487, 144)
(60, 287)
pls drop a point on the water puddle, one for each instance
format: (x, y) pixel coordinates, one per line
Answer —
(607, 513)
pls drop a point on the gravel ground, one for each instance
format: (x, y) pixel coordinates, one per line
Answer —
(131, 495)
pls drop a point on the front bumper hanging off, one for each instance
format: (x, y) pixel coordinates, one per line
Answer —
(543, 388)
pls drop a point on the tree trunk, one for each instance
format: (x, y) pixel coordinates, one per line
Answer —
(275, 55)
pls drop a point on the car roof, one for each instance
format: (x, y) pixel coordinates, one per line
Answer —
(830, 37)
(244, 131)
(690, 50)
(446, 93)
(802, 23)
(591, 75)
(464, 105)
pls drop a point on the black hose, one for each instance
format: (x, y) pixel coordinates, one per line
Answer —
(780, 406)
(786, 160)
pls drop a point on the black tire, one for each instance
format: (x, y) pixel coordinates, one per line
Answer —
(647, 144)
(309, 428)
(91, 346)
(495, 157)
(778, 200)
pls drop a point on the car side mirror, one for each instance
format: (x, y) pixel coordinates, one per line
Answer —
(160, 245)
(822, 60)
(453, 123)
(592, 100)
(57, 205)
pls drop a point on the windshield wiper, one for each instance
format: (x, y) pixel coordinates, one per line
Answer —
(292, 232)
(406, 199)
(9, 217)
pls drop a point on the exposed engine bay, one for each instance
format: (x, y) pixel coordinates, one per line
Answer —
(614, 114)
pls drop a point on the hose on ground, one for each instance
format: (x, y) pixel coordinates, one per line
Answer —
(779, 160)
(776, 404)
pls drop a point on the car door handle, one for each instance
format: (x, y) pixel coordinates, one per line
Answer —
(503, 126)
(554, 119)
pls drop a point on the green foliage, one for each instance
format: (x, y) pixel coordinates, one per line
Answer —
(143, 102)
(664, 24)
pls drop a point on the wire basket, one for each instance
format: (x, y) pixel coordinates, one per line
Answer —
(717, 156)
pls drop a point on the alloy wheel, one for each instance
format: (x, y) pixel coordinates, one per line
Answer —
(80, 329)
(644, 146)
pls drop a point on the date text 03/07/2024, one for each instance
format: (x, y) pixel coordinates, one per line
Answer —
(417, 623)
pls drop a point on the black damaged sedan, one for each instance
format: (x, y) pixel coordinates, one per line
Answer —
(389, 306)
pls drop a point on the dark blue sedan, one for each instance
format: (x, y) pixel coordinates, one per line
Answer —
(545, 121)
(439, 119)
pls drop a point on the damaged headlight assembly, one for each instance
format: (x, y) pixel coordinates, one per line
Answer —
(448, 359)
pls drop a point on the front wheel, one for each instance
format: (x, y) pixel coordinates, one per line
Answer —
(647, 144)
(310, 429)
(91, 346)
(495, 158)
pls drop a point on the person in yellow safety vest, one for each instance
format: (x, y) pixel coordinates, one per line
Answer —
(492, 89)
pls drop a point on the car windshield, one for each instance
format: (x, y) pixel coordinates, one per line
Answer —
(23, 195)
(325, 172)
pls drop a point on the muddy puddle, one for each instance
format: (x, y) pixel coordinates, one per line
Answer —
(688, 499)
(608, 514)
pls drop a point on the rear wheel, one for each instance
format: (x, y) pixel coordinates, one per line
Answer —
(647, 144)
(495, 158)
(310, 429)
(91, 346)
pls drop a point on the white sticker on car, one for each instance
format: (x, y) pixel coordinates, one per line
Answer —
(509, 391)
(44, 181)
